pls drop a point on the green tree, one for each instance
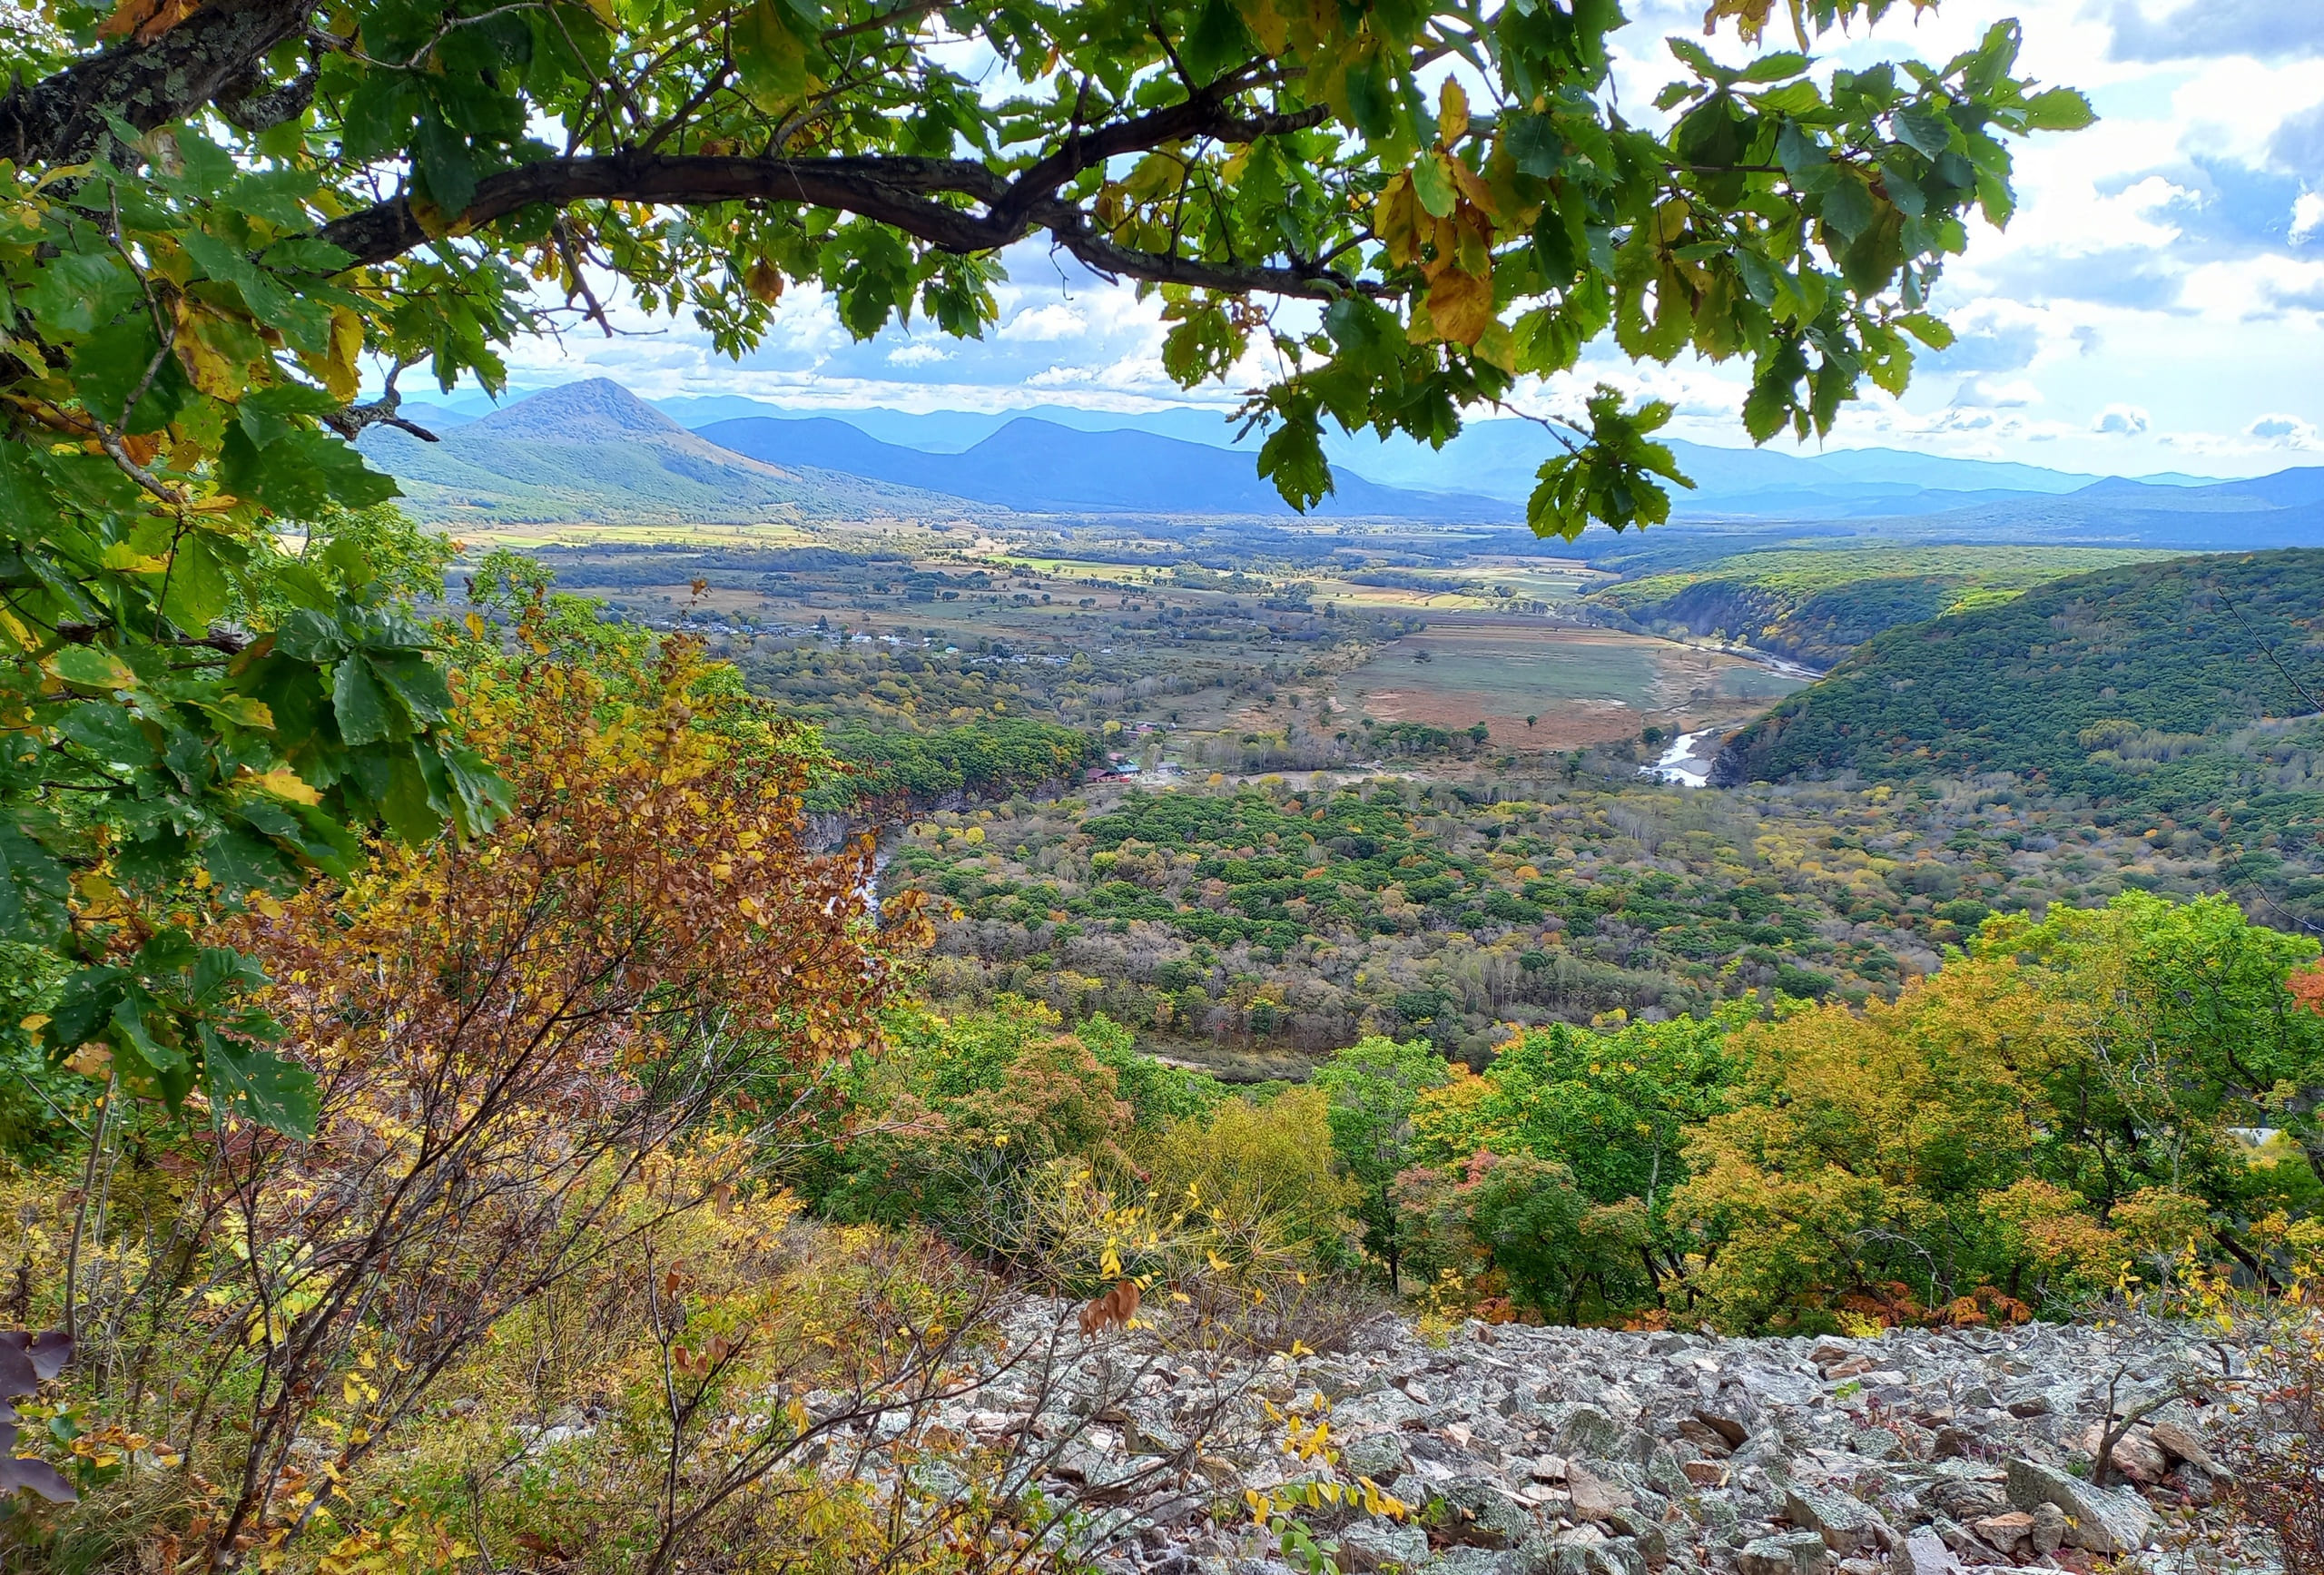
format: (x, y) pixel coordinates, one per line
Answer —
(2175, 1030)
(1373, 1086)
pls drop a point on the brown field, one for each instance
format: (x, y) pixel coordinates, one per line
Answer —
(1583, 685)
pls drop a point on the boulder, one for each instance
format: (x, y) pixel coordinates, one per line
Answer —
(1377, 1455)
(1596, 1496)
(2181, 1444)
(2003, 1532)
(1574, 1554)
(1584, 1429)
(1792, 1553)
(1925, 1553)
(2048, 1531)
(1845, 1525)
(2136, 1455)
(1372, 1545)
(2104, 1522)
(1483, 1515)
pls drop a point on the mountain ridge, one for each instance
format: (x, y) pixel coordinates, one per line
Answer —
(594, 453)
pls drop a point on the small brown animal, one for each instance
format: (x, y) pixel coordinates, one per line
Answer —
(1116, 1307)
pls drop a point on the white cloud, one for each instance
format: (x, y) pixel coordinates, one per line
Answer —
(2307, 214)
(919, 354)
(1045, 323)
(2120, 421)
(2288, 431)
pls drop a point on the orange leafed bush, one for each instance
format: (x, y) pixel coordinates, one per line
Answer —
(514, 1038)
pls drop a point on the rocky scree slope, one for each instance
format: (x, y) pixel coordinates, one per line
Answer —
(1577, 1451)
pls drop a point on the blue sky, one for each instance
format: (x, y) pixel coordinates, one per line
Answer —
(2156, 305)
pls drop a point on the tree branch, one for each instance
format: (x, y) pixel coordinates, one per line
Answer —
(61, 119)
(906, 192)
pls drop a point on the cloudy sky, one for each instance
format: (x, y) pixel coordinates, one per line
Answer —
(2156, 305)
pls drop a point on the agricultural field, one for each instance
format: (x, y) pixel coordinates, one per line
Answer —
(1556, 687)
(1242, 663)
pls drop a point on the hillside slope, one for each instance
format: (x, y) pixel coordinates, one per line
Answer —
(1817, 604)
(2128, 684)
(594, 453)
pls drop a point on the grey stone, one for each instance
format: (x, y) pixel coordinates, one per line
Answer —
(1377, 1455)
(1483, 1515)
(1579, 1554)
(1378, 1545)
(2048, 1531)
(1596, 1495)
(1925, 1553)
(1792, 1553)
(1473, 1561)
(1845, 1523)
(1767, 1448)
(1728, 1418)
(1584, 1429)
(2099, 1520)
(2181, 1444)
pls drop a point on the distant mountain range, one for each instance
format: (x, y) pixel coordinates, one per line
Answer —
(592, 451)
(1042, 467)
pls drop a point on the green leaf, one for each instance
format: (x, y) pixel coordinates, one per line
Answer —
(1925, 128)
(306, 253)
(1693, 56)
(417, 682)
(1216, 42)
(366, 714)
(442, 163)
(1533, 141)
(2061, 109)
(199, 586)
(1432, 184)
(273, 195)
(770, 54)
(33, 887)
(84, 1004)
(301, 474)
(109, 733)
(1775, 67)
(272, 1090)
(90, 667)
(1849, 208)
(1934, 332)
(77, 291)
(1293, 458)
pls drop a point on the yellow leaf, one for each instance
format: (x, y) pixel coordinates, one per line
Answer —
(204, 363)
(284, 784)
(339, 371)
(1451, 111)
(32, 1022)
(1460, 306)
(1473, 186)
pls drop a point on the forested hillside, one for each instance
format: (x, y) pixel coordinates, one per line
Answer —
(1815, 606)
(2119, 684)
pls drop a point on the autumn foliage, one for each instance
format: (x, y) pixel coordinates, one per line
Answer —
(530, 1052)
